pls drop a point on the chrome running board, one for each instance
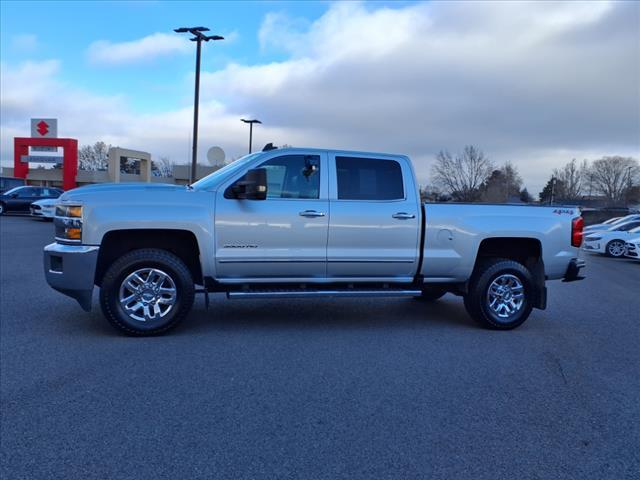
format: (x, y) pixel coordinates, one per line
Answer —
(386, 292)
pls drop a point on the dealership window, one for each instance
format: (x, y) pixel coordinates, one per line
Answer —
(293, 176)
(369, 179)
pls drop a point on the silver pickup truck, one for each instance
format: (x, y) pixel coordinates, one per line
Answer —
(303, 223)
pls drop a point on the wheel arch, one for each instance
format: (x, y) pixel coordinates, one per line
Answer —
(524, 250)
(182, 243)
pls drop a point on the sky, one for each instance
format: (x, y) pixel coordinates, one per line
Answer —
(536, 84)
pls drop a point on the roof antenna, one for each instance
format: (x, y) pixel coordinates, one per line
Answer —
(269, 146)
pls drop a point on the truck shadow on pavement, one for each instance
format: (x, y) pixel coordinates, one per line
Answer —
(272, 315)
(328, 314)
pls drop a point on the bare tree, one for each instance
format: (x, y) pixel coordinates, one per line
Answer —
(463, 175)
(502, 184)
(94, 157)
(431, 194)
(614, 177)
(162, 167)
(573, 177)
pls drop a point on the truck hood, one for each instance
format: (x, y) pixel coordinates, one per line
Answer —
(46, 202)
(118, 188)
(135, 195)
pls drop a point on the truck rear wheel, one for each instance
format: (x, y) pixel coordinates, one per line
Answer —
(146, 292)
(500, 294)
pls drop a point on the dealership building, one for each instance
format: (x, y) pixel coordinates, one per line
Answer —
(31, 154)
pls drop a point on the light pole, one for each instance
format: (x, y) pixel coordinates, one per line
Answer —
(250, 122)
(628, 191)
(198, 37)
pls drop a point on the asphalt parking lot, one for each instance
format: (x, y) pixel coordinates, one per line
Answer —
(310, 389)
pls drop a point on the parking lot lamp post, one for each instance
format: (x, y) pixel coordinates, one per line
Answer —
(250, 122)
(198, 37)
(629, 185)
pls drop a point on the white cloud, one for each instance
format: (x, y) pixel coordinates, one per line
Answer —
(140, 50)
(533, 83)
(24, 43)
(35, 89)
(229, 38)
(536, 84)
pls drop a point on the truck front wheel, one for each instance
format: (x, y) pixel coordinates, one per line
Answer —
(146, 292)
(500, 294)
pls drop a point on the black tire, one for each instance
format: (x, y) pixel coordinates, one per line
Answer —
(477, 300)
(617, 253)
(2, 208)
(150, 258)
(431, 294)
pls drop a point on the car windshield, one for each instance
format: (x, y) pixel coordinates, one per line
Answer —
(621, 227)
(13, 190)
(214, 178)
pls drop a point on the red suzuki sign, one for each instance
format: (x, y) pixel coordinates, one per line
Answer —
(44, 128)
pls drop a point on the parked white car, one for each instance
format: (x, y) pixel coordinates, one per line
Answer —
(612, 242)
(45, 208)
(632, 248)
(612, 222)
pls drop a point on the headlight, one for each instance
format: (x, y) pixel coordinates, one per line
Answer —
(71, 211)
(68, 223)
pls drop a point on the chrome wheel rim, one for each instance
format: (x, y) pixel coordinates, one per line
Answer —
(147, 294)
(505, 296)
(616, 249)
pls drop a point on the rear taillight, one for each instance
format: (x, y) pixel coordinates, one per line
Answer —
(577, 227)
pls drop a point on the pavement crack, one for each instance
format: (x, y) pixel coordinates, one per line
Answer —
(559, 364)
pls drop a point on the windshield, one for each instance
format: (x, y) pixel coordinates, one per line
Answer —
(212, 180)
(623, 227)
(628, 218)
(13, 190)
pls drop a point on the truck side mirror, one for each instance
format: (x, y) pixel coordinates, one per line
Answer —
(253, 186)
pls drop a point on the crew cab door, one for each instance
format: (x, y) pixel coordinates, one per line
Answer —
(375, 218)
(282, 237)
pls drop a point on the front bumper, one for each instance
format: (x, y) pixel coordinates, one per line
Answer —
(591, 246)
(70, 269)
(631, 250)
(573, 270)
(37, 211)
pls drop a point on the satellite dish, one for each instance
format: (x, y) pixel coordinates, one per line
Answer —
(216, 156)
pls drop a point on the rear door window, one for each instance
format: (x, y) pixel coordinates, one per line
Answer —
(27, 192)
(369, 179)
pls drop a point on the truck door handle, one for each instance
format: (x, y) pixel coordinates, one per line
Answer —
(403, 215)
(311, 213)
